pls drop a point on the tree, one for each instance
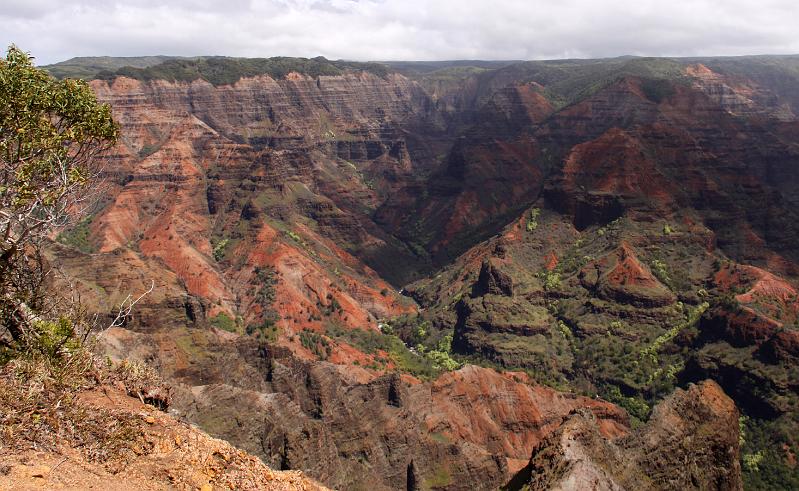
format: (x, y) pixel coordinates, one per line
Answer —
(51, 135)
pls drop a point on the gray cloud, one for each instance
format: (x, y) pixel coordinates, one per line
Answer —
(54, 30)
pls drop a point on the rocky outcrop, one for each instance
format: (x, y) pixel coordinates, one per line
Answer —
(762, 316)
(170, 455)
(492, 280)
(691, 442)
(469, 429)
(737, 95)
(589, 160)
(621, 277)
(749, 341)
(602, 178)
(83, 421)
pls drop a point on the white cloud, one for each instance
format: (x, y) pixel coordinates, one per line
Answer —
(54, 30)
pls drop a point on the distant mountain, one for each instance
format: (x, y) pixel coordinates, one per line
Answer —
(87, 67)
(218, 70)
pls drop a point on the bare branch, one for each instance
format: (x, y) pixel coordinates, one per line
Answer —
(126, 307)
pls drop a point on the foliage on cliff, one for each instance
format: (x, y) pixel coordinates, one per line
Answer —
(220, 70)
(51, 133)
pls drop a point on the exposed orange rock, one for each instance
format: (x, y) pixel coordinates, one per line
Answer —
(616, 164)
(734, 94)
(174, 456)
(551, 261)
(313, 178)
(765, 293)
(623, 277)
(190, 150)
(477, 405)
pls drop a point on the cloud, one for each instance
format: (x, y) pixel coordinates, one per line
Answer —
(54, 30)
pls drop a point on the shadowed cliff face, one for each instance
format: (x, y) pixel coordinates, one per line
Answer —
(637, 144)
(606, 229)
(696, 426)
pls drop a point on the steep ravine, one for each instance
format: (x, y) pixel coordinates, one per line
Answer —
(636, 239)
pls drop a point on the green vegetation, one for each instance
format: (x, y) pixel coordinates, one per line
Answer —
(316, 343)
(51, 133)
(532, 222)
(87, 67)
(220, 249)
(693, 318)
(446, 77)
(565, 330)
(567, 82)
(440, 478)
(765, 446)
(295, 237)
(40, 405)
(149, 149)
(441, 357)
(417, 364)
(728, 302)
(331, 307)
(55, 337)
(226, 71)
(440, 437)
(636, 406)
(751, 461)
(635, 373)
(266, 331)
(265, 280)
(225, 322)
(551, 280)
(78, 236)
(661, 272)
(657, 90)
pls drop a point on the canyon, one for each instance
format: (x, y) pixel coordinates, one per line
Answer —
(533, 275)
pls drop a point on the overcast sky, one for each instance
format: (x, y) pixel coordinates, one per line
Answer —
(55, 30)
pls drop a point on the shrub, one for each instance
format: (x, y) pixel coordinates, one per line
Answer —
(661, 272)
(267, 331)
(316, 343)
(39, 405)
(751, 461)
(219, 249)
(551, 280)
(635, 406)
(651, 351)
(532, 222)
(51, 135)
(224, 322)
(265, 280)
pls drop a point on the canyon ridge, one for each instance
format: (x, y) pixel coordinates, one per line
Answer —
(562, 274)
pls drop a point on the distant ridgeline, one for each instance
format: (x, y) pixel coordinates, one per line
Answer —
(563, 81)
(217, 70)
